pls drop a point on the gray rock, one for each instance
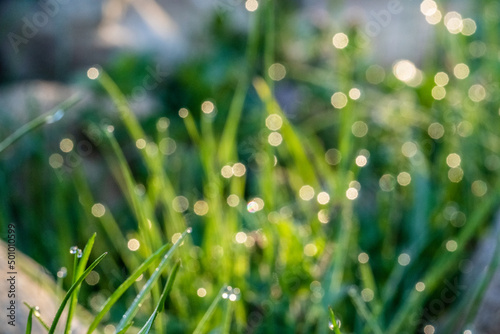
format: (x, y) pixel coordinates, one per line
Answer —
(34, 286)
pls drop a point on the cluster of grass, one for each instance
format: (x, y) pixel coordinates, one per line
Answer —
(370, 206)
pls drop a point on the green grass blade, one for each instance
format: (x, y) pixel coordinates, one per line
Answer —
(191, 128)
(291, 138)
(121, 103)
(125, 285)
(226, 324)
(74, 278)
(46, 118)
(125, 329)
(210, 312)
(71, 290)
(485, 281)
(37, 315)
(132, 310)
(364, 312)
(77, 273)
(29, 322)
(437, 273)
(161, 304)
(228, 151)
(334, 322)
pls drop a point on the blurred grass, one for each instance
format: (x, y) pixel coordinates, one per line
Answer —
(379, 251)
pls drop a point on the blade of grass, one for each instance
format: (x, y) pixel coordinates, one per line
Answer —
(77, 273)
(228, 311)
(74, 278)
(37, 315)
(138, 204)
(125, 329)
(437, 273)
(125, 285)
(191, 128)
(161, 304)
(364, 311)
(469, 305)
(135, 130)
(485, 281)
(47, 118)
(121, 103)
(70, 292)
(334, 322)
(107, 221)
(132, 310)
(295, 144)
(368, 281)
(29, 322)
(209, 312)
(228, 151)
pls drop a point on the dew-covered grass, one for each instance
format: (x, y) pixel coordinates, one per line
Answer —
(327, 194)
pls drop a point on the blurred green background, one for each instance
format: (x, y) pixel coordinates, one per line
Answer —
(314, 169)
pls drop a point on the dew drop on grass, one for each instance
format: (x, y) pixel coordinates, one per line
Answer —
(231, 294)
(55, 117)
(252, 206)
(226, 292)
(330, 324)
(235, 295)
(79, 253)
(36, 312)
(189, 230)
(73, 250)
(62, 272)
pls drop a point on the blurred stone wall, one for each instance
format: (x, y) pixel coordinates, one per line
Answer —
(50, 38)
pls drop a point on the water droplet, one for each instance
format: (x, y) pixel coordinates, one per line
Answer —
(231, 294)
(330, 324)
(79, 253)
(226, 292)
(55, 117)
(93, 73)
(73, 250)
(36, 311)
(189, 230)
(234, 297)
(252, 206)
(62, 272)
